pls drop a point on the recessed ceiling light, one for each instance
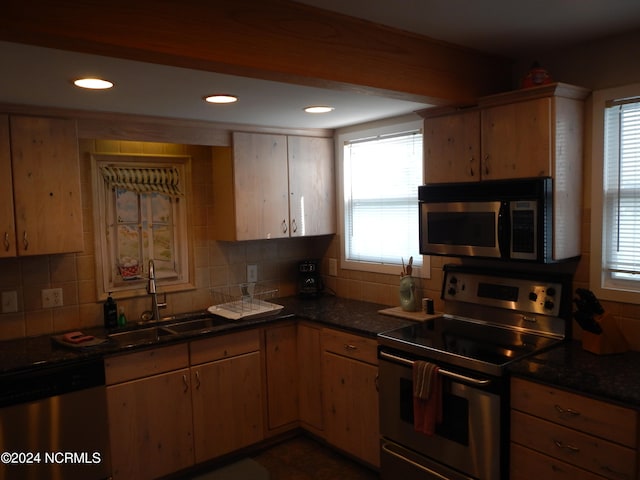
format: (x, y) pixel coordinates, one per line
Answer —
(318, 109)
(93, 83)
(221, 98)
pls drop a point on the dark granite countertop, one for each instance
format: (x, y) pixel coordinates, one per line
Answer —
(358, 317)
(614, 378)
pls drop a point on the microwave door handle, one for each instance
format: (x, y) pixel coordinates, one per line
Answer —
(504, 230)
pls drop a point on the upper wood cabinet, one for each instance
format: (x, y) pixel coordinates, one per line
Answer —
(39, 163)
(534, 132)
(7, 223)
(452, 147)
(273, 186)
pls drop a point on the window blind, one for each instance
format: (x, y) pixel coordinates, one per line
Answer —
(622, 189)
(143, 180)
(382, 175)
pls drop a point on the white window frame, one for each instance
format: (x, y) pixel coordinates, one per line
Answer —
(373, 129)
(601, 282)
(103, 205)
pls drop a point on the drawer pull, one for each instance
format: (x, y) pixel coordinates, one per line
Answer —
(6, 242)
(611, 471)
(567, 411)
(566, 446)
(186, 383)
(350, 347)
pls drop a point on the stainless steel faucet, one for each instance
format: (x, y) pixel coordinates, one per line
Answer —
(153, 291)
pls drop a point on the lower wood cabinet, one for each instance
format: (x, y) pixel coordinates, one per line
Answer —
(560, 435)
(310, 377)
(175, 406)
(281, 354)
(350, 394)
(150, 413)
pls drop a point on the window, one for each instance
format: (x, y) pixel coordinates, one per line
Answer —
(141, 211)
(381, 171)
(615, 260)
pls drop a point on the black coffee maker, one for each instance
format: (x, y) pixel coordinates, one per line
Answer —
(309, 279)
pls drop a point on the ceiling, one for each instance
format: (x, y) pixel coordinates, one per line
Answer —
(41, 76)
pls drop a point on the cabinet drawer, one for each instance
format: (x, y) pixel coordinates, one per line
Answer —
(527, 464)
(599, 418)
(349, 345)
(215, 348)
(574, 447)
(130, 366)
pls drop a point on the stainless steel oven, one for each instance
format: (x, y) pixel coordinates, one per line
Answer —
(490, 320)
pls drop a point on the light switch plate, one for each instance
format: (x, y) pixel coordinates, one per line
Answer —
(252, 273)
(9, 302)
(333, 267)
(52, 297)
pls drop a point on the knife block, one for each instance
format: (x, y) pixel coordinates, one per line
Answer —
(609, 341)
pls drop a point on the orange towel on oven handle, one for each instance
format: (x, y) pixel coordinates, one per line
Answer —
(427, 397)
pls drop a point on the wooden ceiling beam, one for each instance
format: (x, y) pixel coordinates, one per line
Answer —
(276, 40)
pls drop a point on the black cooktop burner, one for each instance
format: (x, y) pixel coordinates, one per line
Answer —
(468, 344)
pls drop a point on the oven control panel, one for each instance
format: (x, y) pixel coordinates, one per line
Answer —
(521, 294)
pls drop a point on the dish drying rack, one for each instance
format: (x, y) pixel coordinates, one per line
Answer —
(243, 301)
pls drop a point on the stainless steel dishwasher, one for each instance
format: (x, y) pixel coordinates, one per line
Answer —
(53, 423)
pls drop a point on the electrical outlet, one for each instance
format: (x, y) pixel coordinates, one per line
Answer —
(52, 297)
(9, 302)
(252, 273)
(333, 267)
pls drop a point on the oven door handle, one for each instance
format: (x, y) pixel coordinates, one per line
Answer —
(443, 372)
(386, 449)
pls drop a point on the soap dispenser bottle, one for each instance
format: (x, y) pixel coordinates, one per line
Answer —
(110, 313)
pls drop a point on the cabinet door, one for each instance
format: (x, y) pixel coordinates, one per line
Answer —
(310, 374)
(46, 183)
(150, 424)
(282, 375)
(452, 148)
(7, 228)
(227, 405)
(261, 186)
(517, 140)
(311, 186)
(351, 406)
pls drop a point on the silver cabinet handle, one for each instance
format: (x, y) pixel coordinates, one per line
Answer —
(6, 242)
(25, 240)
(294, 226)
(567, 411)
(350, 347)
(566, 446)
(197, 379)
(284, 226)
(186, 383)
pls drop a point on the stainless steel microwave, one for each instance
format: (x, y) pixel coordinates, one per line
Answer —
(505, 219)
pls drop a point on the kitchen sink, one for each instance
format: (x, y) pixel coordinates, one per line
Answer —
(140, 336)
(197, 325)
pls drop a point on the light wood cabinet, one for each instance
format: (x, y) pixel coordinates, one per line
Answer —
(227, 393)
(562, 435)
(7, 222)
(349, 383)
(452, 147)
(282, 376)
(534, 132)
(310, 377)
(44, 177)
(150, 413)
(273, 186)
(311, 186)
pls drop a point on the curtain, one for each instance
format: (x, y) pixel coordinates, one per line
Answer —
(164, 180)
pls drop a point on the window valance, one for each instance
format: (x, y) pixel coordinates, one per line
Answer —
(144, 180)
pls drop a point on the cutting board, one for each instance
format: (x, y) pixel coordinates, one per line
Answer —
(400, 313)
